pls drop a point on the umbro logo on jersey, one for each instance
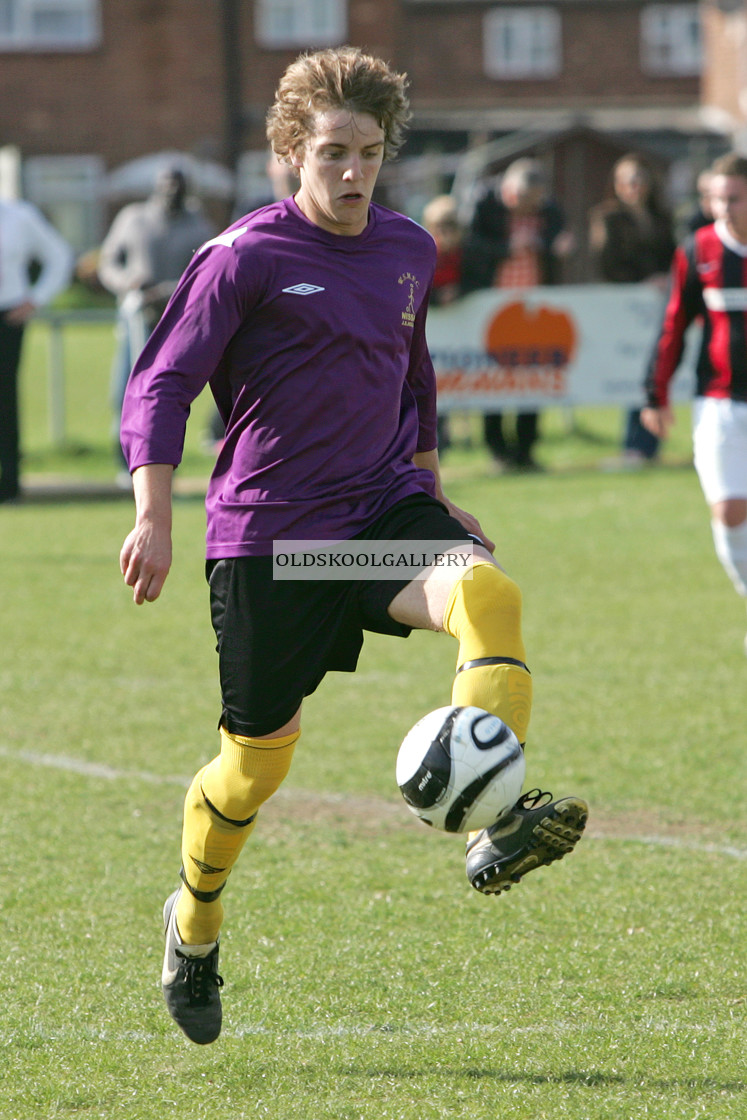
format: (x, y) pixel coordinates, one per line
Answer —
(303, 289)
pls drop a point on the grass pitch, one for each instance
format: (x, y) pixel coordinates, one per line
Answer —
(364, 978)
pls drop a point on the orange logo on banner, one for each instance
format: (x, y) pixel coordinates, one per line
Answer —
(526, 354)
(519, 336)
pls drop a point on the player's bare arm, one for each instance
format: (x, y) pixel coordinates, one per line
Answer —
(429, 461)
(145, 558)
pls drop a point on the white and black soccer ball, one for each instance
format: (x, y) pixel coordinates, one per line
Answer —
(460, 768)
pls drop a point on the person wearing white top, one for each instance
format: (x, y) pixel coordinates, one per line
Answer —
(26, 239)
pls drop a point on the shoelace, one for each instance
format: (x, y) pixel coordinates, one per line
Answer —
(201, 976)
(533, 799)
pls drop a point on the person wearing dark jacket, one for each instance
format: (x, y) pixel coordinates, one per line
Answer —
(633, 241)
(517, 239)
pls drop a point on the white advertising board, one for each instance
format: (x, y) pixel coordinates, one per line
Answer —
(536, 347)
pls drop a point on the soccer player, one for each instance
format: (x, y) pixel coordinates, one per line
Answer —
(307, 318)
(709, 279)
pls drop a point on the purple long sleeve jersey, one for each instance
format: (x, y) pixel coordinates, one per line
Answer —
(314, 347)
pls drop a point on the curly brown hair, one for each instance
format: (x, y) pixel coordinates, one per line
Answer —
(337, 78)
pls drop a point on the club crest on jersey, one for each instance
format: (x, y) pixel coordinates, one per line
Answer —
(411, 283)
(303, 289)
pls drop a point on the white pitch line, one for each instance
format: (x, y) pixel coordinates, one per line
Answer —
(676, 842)
(388, 1031)
(109, 773)
(92, 769)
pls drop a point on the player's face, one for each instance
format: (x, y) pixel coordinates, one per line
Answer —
(338, 166)
(729, 203)
(631, 183)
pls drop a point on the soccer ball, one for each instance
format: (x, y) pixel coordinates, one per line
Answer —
(460, 769)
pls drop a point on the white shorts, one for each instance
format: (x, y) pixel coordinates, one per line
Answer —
(720, 447)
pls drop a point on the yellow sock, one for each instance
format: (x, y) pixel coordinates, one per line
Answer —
(484, 614)
(220, 812)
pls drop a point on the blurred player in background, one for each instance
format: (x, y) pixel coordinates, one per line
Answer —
(709, 279)
(307, 317)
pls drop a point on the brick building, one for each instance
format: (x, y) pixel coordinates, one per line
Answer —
(724, 92)
(91, 85)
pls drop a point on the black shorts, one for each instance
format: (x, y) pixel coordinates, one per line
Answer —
(278, 638)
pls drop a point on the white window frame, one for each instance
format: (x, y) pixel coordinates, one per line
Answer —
(300, 23)
(522, 43)
(669, 46)
(22, 28)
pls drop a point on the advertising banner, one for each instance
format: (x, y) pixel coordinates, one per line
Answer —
(537, 347)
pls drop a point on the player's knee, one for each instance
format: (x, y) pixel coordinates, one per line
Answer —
(495, 592)
(731, 549)
(486, 599)
(732, 512)
(246, 774)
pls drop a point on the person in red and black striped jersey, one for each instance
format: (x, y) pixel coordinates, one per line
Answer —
(709, 279)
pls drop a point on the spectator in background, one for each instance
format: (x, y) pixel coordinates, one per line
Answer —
(144, 253)
(441, 219)
(27, 241)
(632, 239)
(703, 214)
(517, 239)
(281, 182)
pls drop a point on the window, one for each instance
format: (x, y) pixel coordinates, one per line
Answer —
(671, 39)
(522, 43)
(49, 24)
(300, 23)
(69, 189)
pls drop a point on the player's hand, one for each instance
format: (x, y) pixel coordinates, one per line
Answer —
(17, 316)
(145, 560)
(658, 421)
(471, 524)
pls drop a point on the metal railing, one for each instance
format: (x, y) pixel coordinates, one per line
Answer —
(56, 321)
